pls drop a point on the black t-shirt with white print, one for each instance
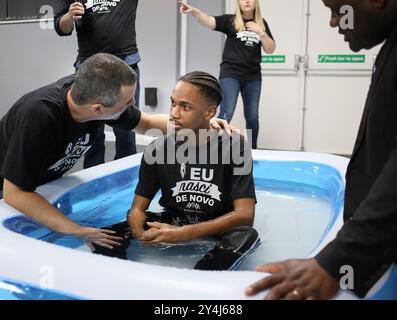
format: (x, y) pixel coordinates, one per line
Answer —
(107, 26)
(40, 141)
(242, 54)
(203, 185)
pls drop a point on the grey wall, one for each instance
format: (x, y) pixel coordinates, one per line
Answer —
(157, 38)
(18, 9)
(204, 46)
(31, 57)
(2, 9)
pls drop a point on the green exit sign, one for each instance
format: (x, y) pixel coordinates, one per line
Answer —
(273, 59)
(341, 58)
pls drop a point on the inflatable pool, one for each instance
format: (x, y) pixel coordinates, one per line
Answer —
(39, 264)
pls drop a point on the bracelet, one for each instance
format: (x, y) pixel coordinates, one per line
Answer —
(262, 34)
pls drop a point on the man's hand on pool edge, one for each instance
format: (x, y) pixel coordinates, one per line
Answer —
(296, 280)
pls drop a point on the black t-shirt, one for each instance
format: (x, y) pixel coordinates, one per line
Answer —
(40, 141)
(205, 184)
(242, 54)
(106, 26)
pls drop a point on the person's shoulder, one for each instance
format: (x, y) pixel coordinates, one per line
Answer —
(55, 93)
(43, 102)
(156, 151)
(159, 143)
(164, 139)
(65, 81)
(230, 17)
(265, 22)
(132, 3)
(225, 18)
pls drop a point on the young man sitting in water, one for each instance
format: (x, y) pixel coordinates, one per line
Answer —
(206, 181)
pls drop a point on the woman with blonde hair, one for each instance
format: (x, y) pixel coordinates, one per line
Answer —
(247, 33)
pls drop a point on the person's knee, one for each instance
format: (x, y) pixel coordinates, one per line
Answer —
(239, 239)
(123, 231)
(241, 231)
(231, 249)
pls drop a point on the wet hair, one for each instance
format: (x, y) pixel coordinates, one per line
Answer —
(100, 79)
(208, 85)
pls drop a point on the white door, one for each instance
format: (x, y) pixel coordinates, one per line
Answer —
(337, 84)
(318, 107)
(279, 111)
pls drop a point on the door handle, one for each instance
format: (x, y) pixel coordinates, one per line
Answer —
(298, 60)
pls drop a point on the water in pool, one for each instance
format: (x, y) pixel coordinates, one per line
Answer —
(15, 290)
(292, 215)
(290, 224)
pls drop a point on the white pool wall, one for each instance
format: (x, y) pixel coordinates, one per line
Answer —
(97, 277)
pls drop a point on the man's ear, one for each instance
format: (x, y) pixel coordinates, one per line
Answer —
(211, 112)
(96, 109)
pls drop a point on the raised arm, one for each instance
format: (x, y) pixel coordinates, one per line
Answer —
(200, 16)
(40, 210)
(268, 44)
(66, 22)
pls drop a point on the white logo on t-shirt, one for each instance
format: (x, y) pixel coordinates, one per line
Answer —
(198, 189)
(183, 170)
(249, 37)
(101, 6)
(73, 153)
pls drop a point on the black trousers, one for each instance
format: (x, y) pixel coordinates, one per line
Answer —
(231, 247)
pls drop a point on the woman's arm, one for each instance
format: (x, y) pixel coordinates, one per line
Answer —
(268, 44)
(200, 16)
(75, 13)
